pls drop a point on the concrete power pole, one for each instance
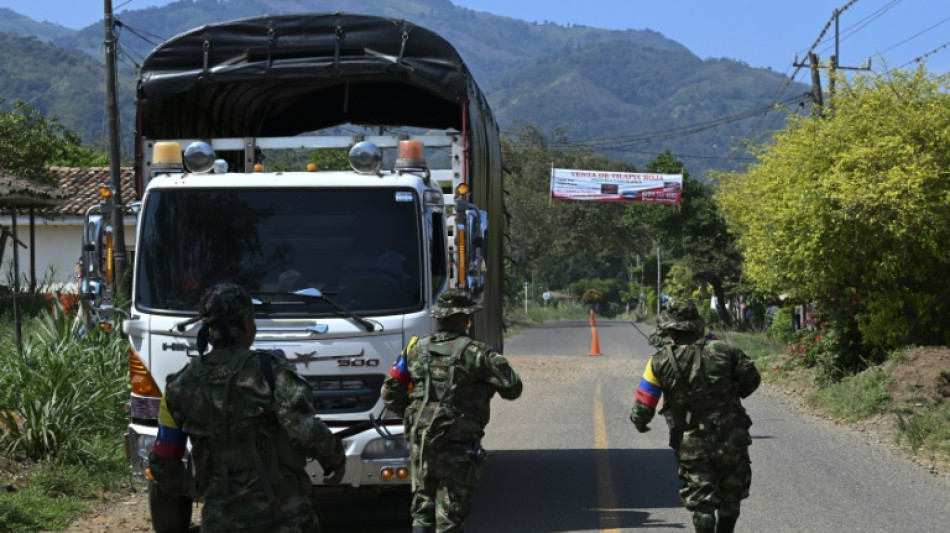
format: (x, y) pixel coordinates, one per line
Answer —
(120, 283)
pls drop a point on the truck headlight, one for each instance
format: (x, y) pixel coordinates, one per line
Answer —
(392, 448)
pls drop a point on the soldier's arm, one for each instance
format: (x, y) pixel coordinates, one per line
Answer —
(165, 460)
(647, 397)
(297, 416)
(496, 370)
(396, 387)
(746, 374)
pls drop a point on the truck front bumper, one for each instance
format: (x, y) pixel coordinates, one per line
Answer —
(371, 459)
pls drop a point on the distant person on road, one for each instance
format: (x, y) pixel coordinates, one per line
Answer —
(251, 423)
(702, 381)
(442, 386)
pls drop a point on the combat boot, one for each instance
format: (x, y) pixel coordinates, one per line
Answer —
(727, 524)
(704, 522)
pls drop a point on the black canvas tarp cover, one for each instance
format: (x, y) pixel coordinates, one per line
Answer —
(281, 75)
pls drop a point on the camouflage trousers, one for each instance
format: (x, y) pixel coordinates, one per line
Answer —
(717, 483)
(442, 486)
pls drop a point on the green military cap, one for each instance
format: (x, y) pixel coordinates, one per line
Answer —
(682, 316)
(454, 301)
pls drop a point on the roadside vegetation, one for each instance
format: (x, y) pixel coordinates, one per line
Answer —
(61, 418)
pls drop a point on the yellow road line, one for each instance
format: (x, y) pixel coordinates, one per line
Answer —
(605, 484)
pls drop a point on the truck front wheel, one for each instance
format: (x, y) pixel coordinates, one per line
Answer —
(170, 514)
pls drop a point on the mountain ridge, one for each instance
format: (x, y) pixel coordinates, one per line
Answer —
(589, 82)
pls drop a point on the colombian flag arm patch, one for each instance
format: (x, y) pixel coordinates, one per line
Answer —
(400, 371)
(170, 443)
(649, 391)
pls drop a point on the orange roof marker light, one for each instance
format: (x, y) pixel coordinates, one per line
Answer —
(166, 157)
(411, 156)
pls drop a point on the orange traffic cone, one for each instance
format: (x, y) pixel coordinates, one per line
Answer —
(591, 321)
(594, 342)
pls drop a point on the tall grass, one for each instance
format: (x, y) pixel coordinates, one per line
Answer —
(61, 392)
(61, 420)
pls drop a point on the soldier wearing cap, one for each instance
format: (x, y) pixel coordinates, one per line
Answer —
(442, 386)
(251, 424)
(702, 381)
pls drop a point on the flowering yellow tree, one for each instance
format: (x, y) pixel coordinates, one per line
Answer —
(852, 209)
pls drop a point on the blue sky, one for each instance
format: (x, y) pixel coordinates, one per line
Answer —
(761, 33)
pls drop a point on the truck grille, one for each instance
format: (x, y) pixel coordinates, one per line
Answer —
(345, 394)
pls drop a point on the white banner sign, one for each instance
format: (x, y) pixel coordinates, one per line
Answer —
(627, 187)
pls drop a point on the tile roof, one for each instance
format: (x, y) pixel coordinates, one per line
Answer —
(82, 187)
(17, 191)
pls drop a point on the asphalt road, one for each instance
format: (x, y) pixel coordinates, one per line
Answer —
(565, 458)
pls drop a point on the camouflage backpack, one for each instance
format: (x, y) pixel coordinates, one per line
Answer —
(441, 419)
(232, 441)
(702, 405)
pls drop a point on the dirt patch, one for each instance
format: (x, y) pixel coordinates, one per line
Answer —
(918, 381)
(922, 379)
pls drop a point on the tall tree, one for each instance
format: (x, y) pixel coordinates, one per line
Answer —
(30, 143)
(695, 234)
(853, 209)
(560, 241)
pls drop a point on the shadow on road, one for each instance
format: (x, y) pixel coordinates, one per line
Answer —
(548, 491)
(536, 491)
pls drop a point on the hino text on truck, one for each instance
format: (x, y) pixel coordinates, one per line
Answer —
(343, 266)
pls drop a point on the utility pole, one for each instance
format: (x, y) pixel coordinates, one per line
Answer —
(659, 282)
(120, 280)
(816, 97)
(833, 66)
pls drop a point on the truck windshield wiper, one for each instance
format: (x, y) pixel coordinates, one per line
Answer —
(319, 295)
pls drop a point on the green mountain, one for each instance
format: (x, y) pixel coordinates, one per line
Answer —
(63, 83)
(629, 94)
(17, 24)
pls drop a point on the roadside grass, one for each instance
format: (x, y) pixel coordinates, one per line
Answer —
(517, 321)
(925, 431)
(856, 397)
(918, 426)
(61, 421)
(765, 351)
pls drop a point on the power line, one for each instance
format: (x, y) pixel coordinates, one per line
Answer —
(921, 58)
(912, 37)
(621, 142)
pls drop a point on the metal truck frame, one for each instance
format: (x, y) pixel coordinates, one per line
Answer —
(222, 95)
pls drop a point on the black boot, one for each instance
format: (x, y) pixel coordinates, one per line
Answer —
(727, 524)
(704, 522)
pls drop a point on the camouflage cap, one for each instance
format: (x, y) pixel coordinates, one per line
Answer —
(681, 316)
(223, 306)
(452, 302)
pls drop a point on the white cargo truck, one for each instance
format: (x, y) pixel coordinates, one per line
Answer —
(343, 265)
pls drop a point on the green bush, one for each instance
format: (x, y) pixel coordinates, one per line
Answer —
(62, 391)
(781, 327)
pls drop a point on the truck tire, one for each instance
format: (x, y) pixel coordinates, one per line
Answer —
(170, 514)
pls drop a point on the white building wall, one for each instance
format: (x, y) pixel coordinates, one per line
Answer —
(58, 247)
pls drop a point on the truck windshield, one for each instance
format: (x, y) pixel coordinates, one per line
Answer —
(360, 247)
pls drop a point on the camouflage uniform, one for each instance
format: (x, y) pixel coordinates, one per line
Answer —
(703, 380)
(252, 425)
(442, 387)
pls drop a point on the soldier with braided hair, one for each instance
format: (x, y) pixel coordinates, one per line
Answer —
(702, 381)
(251, 424)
